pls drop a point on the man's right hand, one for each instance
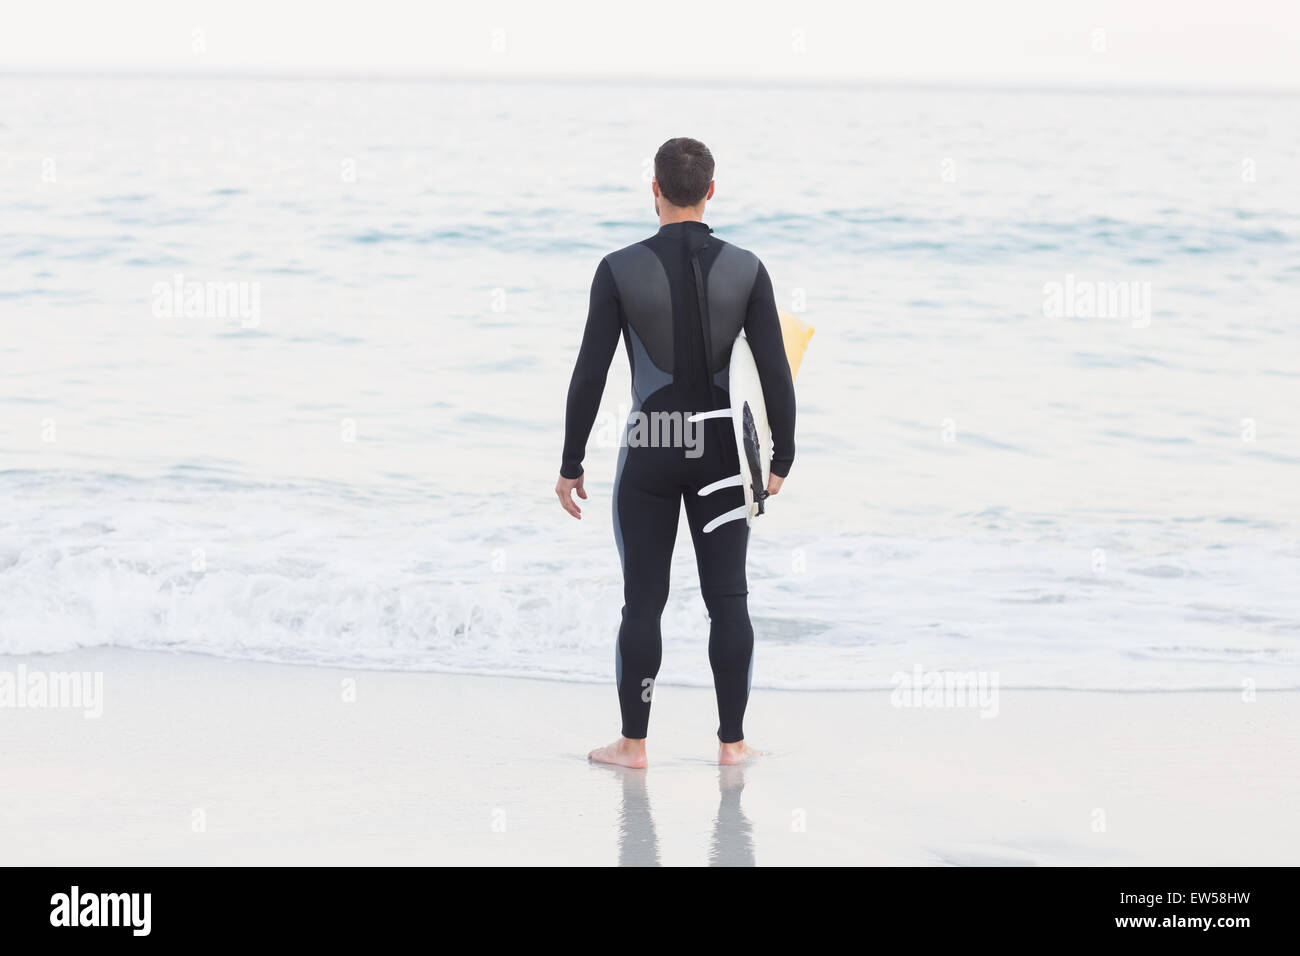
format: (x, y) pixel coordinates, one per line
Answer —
(565, 488)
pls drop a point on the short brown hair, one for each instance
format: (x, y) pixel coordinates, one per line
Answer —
(684, 169)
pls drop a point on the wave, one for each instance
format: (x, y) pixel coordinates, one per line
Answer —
(203, 562)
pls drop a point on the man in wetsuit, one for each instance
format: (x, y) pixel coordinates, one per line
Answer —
(678, 300)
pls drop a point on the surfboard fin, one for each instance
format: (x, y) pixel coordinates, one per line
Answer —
(716, 413)
(731, 481)
(734, 514)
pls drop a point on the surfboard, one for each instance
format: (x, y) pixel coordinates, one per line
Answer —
(749, 420)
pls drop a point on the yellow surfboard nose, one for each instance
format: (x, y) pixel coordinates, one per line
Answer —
(796, 333)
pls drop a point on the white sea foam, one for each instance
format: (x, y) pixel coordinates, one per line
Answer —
(287, 574)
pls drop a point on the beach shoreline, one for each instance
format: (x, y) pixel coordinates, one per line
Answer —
(204, 761)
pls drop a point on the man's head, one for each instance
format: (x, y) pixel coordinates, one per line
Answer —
(683, 175)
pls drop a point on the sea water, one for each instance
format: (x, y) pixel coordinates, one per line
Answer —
(283, 369)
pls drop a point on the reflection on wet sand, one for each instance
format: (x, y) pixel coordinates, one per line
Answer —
(638, 844)
(732, 843)
(733, 835)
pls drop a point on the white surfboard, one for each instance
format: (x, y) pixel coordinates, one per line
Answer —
(748, 415)
(749, 420)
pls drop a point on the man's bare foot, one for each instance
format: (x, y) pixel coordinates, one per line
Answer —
(731, 754)
(623, 752)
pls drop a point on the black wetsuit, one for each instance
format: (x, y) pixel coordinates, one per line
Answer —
(649, 293)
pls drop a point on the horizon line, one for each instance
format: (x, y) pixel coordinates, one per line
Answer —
(757, 81)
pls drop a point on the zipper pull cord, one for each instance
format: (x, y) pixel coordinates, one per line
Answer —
(705, 329)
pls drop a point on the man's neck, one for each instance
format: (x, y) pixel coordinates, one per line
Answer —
(672, 214)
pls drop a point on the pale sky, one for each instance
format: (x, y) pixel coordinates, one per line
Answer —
(1249, 44)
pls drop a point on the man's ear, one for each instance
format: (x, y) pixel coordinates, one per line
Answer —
(709, 194)
(654, 187)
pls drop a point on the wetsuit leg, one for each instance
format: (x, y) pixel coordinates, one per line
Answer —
(646, 508)
(720, 557)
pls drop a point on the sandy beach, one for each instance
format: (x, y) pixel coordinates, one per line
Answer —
(202, 761)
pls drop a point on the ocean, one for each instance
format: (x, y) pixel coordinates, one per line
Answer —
(284, 365)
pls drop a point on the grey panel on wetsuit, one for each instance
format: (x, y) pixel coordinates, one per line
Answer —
(647, 377)
(730, 282)
(618, 523)
(647, 300)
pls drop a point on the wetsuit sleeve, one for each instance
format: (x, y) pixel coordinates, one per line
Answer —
(763, 329)
(599, 340)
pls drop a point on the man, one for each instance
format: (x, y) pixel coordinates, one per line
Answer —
(679, 299)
